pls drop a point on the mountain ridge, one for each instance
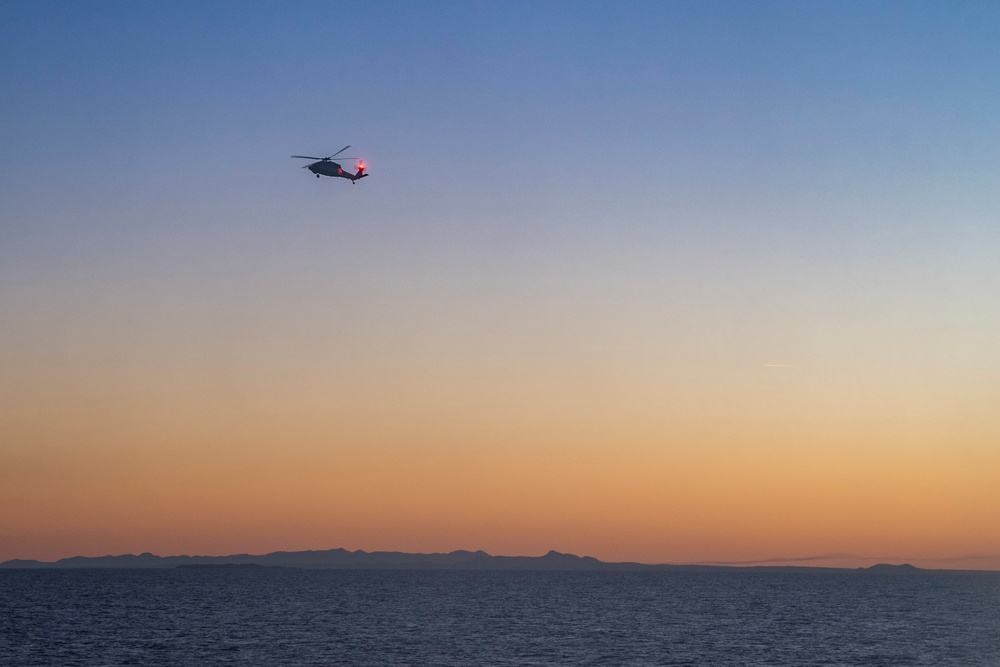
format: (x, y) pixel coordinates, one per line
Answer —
(461, 559)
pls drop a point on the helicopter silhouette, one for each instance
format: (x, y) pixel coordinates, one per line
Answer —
(325, 166)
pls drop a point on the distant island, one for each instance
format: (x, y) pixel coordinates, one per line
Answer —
(894, 569)
(455, 560)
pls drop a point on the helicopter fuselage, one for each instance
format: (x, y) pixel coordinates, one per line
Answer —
(329, 168)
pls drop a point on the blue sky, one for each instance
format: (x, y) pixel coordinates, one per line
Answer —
(775, 116)
(522, 139)
(509, 102)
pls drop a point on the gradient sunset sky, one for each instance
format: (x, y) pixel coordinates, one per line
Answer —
(665, 282)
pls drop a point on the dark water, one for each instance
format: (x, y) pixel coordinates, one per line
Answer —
(335, 617)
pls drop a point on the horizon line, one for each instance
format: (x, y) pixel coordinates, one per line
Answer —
(796, 561)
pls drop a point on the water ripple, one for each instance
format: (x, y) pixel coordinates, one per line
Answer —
(320, 618)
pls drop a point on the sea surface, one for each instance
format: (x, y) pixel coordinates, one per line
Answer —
(290, 617)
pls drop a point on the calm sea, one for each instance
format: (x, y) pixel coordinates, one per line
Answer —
(288, 617)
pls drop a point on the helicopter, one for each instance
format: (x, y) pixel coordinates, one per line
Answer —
(325, 166)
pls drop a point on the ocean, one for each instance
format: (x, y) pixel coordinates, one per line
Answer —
(295, 618)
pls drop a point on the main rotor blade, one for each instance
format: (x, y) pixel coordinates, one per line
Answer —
(338, 152)
(309, 157)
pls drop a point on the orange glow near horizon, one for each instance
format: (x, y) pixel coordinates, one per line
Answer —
(469, 463)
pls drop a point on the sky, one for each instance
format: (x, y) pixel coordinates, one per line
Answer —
(667, 282)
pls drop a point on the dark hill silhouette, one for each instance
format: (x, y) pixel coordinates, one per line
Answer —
(902, 568)
(339, 558)
(455, 560)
